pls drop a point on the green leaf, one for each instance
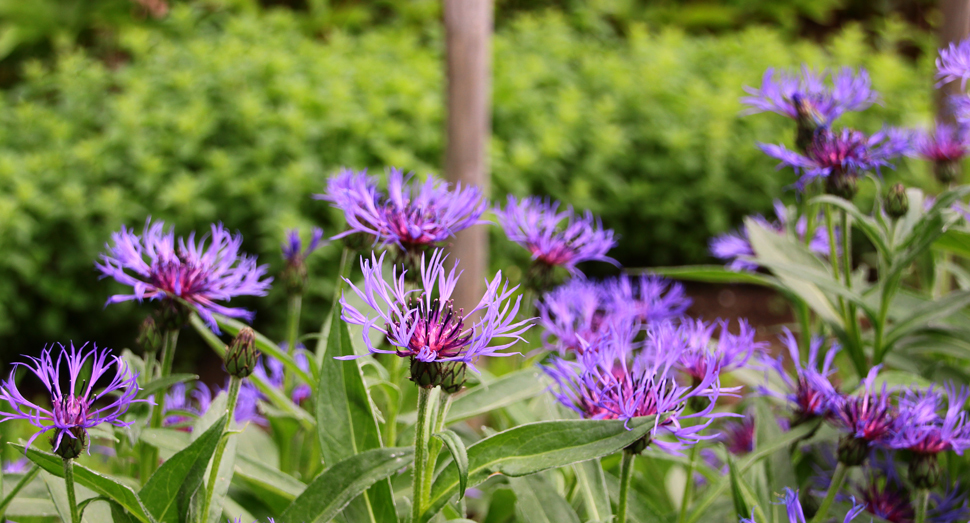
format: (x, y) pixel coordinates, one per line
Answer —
(778, 466)
(535, 447)
(640, 509)
(57, 489)
(12, 494)
(103, 485)
(954, 241)
(591, 482)
(345, 421)
(922, 315)
(536, 501)
(169, 490)
(878, 236)
(335, 487)
(737, 496)
(163, 384)
(491, 395)
(459, 455)
(710, 274)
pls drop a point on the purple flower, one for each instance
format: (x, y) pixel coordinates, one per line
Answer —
(198, 274)
(926, 427)
(805, 95)
(841, 154)
(555, 238)
(736, 249)
(293, 252)
(793, 506)
(645, 298)
(870, 416)
(572, 315)
(945, 143)
(960, 106)
(18, 466)
(423, 324)
(809, 392)
(271, 371)
(617, 381)
(700, 356)
(954, 64)
(411, 216)
(247, 405)
(738, 436)
(75, 408)
(180, 402)
(951, 507)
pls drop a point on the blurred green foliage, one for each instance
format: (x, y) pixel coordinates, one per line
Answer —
(240, 118)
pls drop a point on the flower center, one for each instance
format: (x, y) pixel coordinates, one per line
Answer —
(70, 411)
(437, 331)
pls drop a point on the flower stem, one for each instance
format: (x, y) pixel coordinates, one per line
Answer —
(69, 483)
(421, 436)
(688, 484)
(220, 447)
(626, 473)
(837, 479)
(148, 457)
(922, 505)
(434, 444)
(168, 352)
(292, 333)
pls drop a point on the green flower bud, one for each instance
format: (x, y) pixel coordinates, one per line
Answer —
(924, 471)
(149, 336)
(453, 376)
(71, 448)
(241, 356)
(295, 277)
(852, 450)
(449, 375)
(638, 446)
(947, 171)
(897, 203)
(172, 315)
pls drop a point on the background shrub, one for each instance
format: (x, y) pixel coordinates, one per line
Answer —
(239, 118)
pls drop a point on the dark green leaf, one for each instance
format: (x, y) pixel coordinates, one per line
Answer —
(459, 455)
(592, 486)
(103, 485)
(535, 447)
(536, 501)
(954, 241)
(640, 508)
(163, 384)
(737, 496)
(169, 490)
(929, 311)
(335, 487)
(710, 274)
(345, 421)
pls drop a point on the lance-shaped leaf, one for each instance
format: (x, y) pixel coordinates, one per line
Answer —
(163, 384)
(459, 455)
(709, 274)
(535, 447)
(537, 502)
(591, 483)
(346, 424)
(335, 487)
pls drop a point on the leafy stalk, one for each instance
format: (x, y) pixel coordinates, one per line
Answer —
(837, 479)
(148, 456)
(292, 334)
(210, 487)
(626, 473)
(69, 483)
(421, 436)
(434, 444)
(688, 484)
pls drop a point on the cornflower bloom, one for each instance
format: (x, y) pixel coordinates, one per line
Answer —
(946, 145)
(184, 405)
(271, 371)
(868, 419)
(736, 249)
(738, 436)
(424, 326)
(555, 238)
(926, 433)
(700, 351)
(617, 381)
(809, 391)
(247, 405)
(645, 298)
(954, 64)
(195, 273)
(839, 158)
(573, 315)
(412, 216)
(74, 408)
(793, 506)
(294, 258)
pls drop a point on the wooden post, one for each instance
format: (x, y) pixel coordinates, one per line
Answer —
(468, 33)
(956, 27)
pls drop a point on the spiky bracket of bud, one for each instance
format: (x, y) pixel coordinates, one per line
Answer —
(449, 375)
(924, 471)
(71, 448)
(149, 336)
(242, 355)
(897, 202)
(852, 450)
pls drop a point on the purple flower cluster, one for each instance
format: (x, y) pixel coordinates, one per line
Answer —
(806, 95)
(412, 216)
(423, 324)
(554, 237)
(869, 416)
(195, 273)
(926, 426)
(736, 249)
(75, 408)
(574, 314)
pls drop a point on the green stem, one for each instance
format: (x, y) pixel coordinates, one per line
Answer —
(852, 316)
(434, 444)
(421, 435)
(220, 447)
(148, 456)
(344, 272)
(28, 477)
(168, 352)
(837, 479)
(688, 484)
(888, 292)
(626, 473)
(292, 334)
(922, 505)
(69, 483)
(393, 373)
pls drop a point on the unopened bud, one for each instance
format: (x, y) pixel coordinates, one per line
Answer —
(70, 448)
(242, 356)
(946, 171)
(172, 315)
(852, 450)
(453, 377)
(149, 336)
(897, 203)
(842, 185)
(449, 375)
(638, 446)
(924, 471)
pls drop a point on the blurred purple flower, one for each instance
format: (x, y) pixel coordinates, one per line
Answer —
(74, 410)
(870, 416)
(736, 249)
(954, 64)
(195, 273)
(572, 315)
(945, 143)
(793, 506)
(555, 238)
(293, 252)
(645, 298)
(922, 429)
(698, 351)
(355, 194)
(809, 392)
(247, 405)
(17, 466)
(196, 403)
(425, 326)
(271, 371)
(805, 95)
(738, 436)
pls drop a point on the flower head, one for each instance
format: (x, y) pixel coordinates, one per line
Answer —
(925, 426)
(573, 315)
(103, 397)
(423, 324)
(182, 406)
(805, 95)
(195, 273)
(809, 392)
(736, 249)
(554, 237)
(954, 64)
(946, 145)
(738, 436)
(645, 298)
(700, 354)
(412, 216)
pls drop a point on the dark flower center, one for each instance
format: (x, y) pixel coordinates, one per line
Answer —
(437, 331)
(70, 411)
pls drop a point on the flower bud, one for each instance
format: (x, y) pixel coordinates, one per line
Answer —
(453, 377)
(449, 375)
(946, 171)
(241, 357)
(638, 446)
(172, 315)
(842, 185)
(71, 448)
(149, 336)
(897, 203)
(852, 450)
(924, 471)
